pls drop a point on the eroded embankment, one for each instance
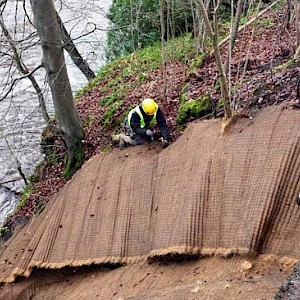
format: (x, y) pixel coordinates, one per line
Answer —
(210, 278)
(208, 193)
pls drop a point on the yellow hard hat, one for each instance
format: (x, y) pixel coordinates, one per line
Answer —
(149, 106)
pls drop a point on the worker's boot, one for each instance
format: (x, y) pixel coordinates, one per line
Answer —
(125, 139)
(115, 138)
(118, 139)
(121, 142)
(122, 139)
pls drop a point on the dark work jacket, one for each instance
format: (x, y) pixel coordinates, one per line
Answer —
(135, 123)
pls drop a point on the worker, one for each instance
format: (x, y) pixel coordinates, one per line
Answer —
(139, 123)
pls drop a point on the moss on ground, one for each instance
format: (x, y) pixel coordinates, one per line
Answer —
(287, 65)
(194, 109)
(195, 64)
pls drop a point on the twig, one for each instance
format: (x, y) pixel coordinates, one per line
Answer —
(9, 181)
(3, 2)
(17, 79)
(248, 23)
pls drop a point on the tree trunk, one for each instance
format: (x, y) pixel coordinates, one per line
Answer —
(73, 52)
(233, 34)
(163, 31)
(256, 17)
(54, 62)
(297, 21)
(287, 20)
(214, 37)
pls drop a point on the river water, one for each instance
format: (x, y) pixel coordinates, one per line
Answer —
(21, 121)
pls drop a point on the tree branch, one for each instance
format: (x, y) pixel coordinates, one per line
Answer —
(18, 79)
(213, 32)
(249, 22)
(2, 3)
(27, 16)
(10, 181)
(23, 70)
(73, 52)
(18, 164)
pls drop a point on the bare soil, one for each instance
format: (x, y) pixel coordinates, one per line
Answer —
(205, 279)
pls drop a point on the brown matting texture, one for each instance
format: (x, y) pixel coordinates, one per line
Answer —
(208, 193)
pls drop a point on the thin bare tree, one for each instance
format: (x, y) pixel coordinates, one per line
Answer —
(296, 6)
(163, 32)
(198, 24)
(212, 30)
(289, 8)
(233, 33)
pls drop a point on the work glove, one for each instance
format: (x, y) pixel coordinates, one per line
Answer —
(165, 143)
(149, 133)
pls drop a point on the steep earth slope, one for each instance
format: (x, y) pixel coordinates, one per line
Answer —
(209, 194)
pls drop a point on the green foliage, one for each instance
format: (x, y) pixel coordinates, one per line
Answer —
(26, 192)
(182, 48)
(142, 77)
(126, 112)
(130, 30)
(3, 230)
(108, 99)
(117, 93)
(34, 177)
(147, 59)
(67, 172)
(264, 22)
(136, 67)
(106, 149)
(89, 121)
(52, 158)
(193, 109)
(92, 83)
(195, 64)
(217, 86)
(220, 104)
(48, 143)
(198, 61)
(74, 163)
(136, 24)
(79, 156)
(106, 118)
(289, 64)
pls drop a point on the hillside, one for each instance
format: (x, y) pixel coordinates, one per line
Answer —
(270, 78)
(187, 201)
(206, 197)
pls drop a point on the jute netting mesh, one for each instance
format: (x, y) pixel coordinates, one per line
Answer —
(208, 193)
